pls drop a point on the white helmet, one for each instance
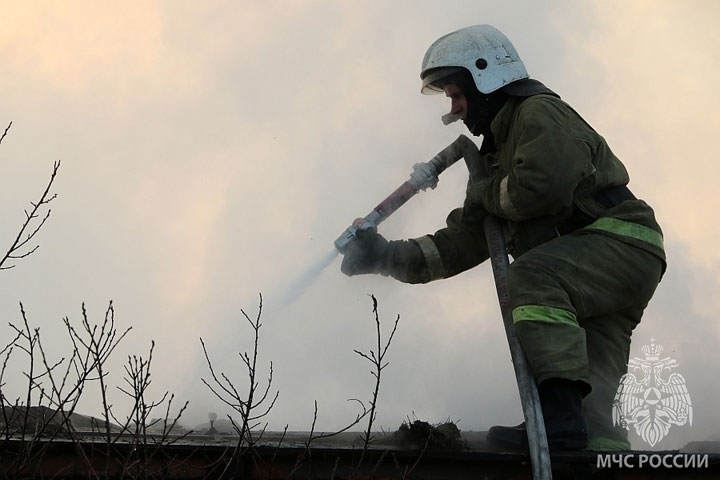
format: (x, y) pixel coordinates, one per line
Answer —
(483, 50)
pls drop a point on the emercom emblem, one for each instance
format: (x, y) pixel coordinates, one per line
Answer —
(651, 398)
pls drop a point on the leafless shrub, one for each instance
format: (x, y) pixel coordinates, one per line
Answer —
(255, 403)
(377, 359)
(129, 443)
(46, 410)
(252, 406)
(51, 394)
(305, 458)
(144, 430)
(147, 429)
(97, 343)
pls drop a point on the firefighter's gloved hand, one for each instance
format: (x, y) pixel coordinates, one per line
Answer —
(365, 253)
(473, 210)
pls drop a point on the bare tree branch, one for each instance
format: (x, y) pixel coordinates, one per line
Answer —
(377, 358)
(27, 230)
(5, 132)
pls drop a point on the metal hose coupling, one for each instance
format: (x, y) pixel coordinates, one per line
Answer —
(424, 176)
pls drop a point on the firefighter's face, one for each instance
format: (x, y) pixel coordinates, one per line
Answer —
(458, 102)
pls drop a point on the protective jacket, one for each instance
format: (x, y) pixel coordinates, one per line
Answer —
(546, 177)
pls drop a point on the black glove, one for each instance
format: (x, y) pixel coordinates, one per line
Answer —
(473, 211)
(365, 253)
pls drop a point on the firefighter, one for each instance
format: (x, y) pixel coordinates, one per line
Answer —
(587, 255)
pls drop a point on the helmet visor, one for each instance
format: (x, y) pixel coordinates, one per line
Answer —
(435, 79)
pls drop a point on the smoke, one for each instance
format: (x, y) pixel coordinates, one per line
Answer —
(201, 169)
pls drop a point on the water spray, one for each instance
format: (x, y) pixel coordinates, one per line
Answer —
(295, 289)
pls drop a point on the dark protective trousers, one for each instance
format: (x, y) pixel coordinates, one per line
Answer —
(576, 300)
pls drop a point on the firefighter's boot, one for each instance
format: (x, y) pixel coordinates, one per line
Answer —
(561, 402)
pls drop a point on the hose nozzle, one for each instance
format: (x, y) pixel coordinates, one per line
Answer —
(350, 233)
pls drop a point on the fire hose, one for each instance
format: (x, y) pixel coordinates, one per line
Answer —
(425, 175)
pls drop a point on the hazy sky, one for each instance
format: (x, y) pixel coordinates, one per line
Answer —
(212, 151)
